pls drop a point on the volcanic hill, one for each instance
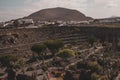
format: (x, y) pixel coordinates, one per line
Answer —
(62, 14)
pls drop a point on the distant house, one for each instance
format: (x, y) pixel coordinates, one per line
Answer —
(25, 22)
(18, 23)
(61, 23)
(107, 20)
(8, 24)
(42, 23)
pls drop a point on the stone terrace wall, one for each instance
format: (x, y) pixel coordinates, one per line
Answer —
(14, 39)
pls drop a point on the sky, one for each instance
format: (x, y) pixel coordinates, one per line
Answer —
(12, 9)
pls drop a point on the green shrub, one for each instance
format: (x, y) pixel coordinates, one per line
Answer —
(7, 59)
(54, 46)
(66, 53)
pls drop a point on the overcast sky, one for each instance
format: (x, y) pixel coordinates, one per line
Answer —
(11, 9)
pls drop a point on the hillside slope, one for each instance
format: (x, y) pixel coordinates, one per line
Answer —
(63, 14)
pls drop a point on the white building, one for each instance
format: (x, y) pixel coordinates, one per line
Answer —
(25, 22)
(108, 20)
(8, 24)
(42, 23)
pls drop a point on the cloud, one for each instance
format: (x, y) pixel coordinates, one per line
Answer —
(112, 4)
(28, 1)
(35, 5)
(93, 8)
(76, 4)
(8, 14)
(104, 8)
